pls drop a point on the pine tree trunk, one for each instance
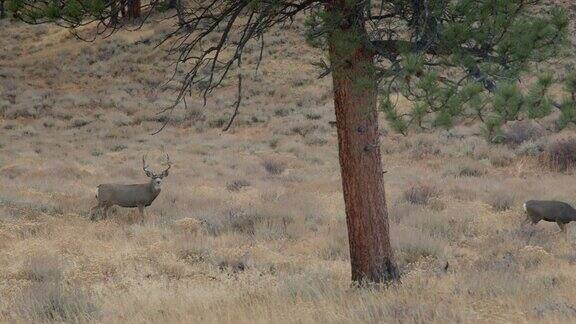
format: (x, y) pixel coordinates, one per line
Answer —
(114, 13)
(355, 101)
(123, 8)
(134, 8)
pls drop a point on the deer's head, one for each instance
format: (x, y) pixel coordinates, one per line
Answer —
(155, 178)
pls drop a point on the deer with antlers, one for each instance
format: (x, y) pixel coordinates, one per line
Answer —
(130, 195)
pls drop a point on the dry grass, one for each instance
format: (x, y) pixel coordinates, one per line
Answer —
(501, 200)
(53, 302)
(250, 224)
(274, 167)
(519, 132)
(421, 193)
(560, 155)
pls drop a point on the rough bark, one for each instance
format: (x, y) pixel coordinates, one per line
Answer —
(134, 9)
(355, 101)
(123, 7)
(113, 13)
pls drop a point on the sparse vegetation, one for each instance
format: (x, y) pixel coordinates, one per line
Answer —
(79, 122)
(236, 185)
(501, 158)
(43, 268)
(315, 140)
(251, 225)
(501, 200)
(53, 302)
(470, 170)
(421, 193)
(521, 131)
(422, 148)
(274, 167)
(234, 264)
(313, 116)
(531, 148)
(560, 155)
(48, 299)
(118, 147)
(282, 112)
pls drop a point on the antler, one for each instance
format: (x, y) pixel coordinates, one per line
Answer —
(145, 167)
(165, 172)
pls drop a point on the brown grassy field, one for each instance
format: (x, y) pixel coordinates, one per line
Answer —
(250, 224)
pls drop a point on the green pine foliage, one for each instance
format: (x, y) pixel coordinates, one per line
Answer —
(568, 113)
(2, 9)
(394, 119)
(14, 5)
(473, 68)
(568, 107)
(537, 103)
(66, 12)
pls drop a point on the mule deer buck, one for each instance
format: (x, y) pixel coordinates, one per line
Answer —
(551, 211)
(130, 195)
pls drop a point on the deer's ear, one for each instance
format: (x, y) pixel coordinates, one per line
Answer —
(149, 174)
(165, 174)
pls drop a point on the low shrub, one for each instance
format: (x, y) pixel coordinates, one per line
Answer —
(501, 158)
(54, 302)
(560, 155)
(518, 132)
(421, 193)
(236, 185)
(274, 167)
(501, 201)
(469, 170)
(531, 148)
(43, 268)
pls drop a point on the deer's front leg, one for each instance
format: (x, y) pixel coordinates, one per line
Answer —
(141, 210)
(92, 212)
(526, 221)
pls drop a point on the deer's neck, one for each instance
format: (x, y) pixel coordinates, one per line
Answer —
(573, 213)
(153, 189)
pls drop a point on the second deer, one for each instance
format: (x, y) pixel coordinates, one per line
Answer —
(558, 212)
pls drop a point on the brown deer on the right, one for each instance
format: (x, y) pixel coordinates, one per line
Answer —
(558, 212)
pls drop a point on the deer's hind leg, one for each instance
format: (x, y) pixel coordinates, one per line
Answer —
(105, 211)
(563, 229)
(92, 212)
